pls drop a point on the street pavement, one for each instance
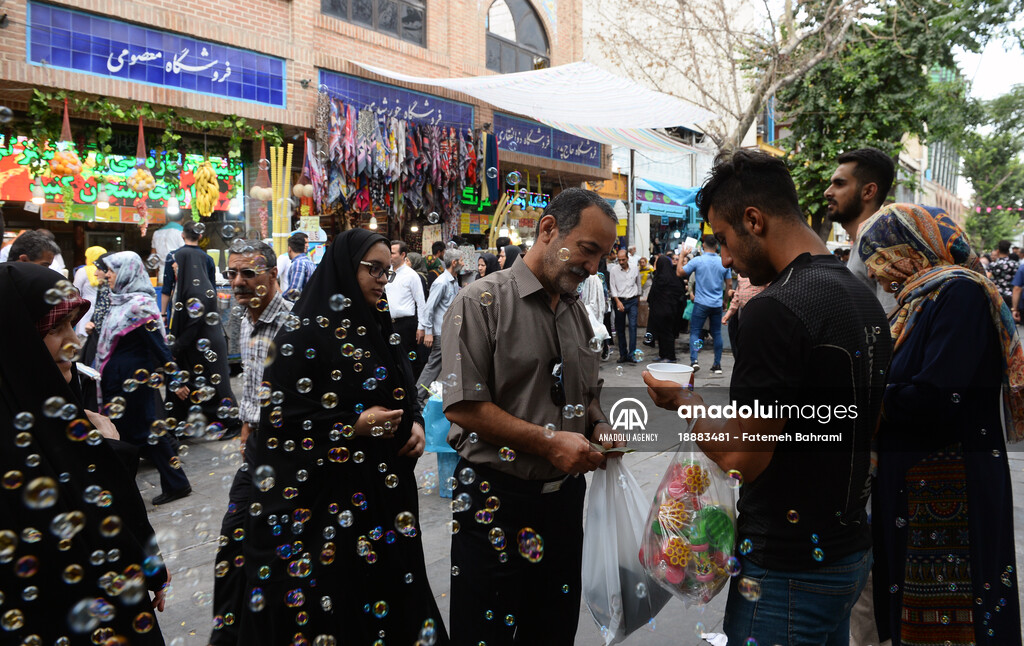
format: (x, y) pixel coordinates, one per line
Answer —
(188, 529)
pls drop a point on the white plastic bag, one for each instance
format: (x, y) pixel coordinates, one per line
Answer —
(600, 331)
(620, 594)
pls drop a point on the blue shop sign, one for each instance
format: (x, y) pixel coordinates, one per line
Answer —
(92, 44)
(532, 138)
(391, 101)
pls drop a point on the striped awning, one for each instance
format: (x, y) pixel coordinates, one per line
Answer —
(581, 99)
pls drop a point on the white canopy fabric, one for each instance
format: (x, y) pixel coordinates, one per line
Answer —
(581, 99)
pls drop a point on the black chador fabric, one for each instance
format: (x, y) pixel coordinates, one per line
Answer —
(491, 263)
(199, 345)
(63, 489)
(332, 545)
(666, 298)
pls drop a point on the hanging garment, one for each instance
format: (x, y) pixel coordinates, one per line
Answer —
(471, 160)
(349, 143)
(365, 135)
(323, 117)
(335, 133)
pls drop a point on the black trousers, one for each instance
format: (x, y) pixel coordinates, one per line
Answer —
(229, 581)
(733, 327)
(405, 327)
(521, 600)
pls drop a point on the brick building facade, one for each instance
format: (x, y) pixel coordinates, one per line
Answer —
(308, 38)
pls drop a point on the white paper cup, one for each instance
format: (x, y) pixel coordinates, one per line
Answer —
(676, 372)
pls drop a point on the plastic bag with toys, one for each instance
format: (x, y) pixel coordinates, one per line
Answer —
(690, 533)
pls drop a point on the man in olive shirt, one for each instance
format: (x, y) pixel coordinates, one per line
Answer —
(521, 391)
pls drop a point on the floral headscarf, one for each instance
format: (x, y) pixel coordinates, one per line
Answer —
(132, 304)
(918, 250)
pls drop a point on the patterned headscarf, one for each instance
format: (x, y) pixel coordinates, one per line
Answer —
(918, 250)
(132, 304)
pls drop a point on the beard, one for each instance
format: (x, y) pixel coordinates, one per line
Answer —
(848, 214)
(563, 277)
(756, 266)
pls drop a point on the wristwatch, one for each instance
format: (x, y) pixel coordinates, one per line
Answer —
(593, 425)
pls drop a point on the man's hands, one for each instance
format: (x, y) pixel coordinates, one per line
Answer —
(670, 395)
(619, 306)
(419, 336)
(244, 436)
(159, 597)
(417, 441)
(103, 425)
(182, 393)
(572, 453)
(378, 416)
(428, 340)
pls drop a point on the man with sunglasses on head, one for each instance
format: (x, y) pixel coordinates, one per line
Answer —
(252, 271)
(521, 390)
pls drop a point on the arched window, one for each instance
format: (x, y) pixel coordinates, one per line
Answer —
(403, 19)
(516, 41)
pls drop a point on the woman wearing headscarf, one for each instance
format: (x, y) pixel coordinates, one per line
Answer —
(335, 457)
(487, 264)
(666, 302)
(87, 283)
(131, 346)
(435, 268)
(942, 503)
(507, 255)
(200, 347)
(66, 496)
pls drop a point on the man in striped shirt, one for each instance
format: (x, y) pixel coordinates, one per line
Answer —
(249, 269)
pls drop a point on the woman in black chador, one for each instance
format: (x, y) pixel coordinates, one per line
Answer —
(79, 558)
(332, 549)
(200, 346)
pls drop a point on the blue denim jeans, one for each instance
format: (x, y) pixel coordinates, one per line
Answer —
(805, 608)
(697, 318)
(630, 308)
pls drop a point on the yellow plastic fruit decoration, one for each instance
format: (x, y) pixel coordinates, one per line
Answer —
(673, 515)
(677, 551)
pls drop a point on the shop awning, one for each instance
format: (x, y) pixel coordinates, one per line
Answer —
(581, 99)
(679, 195)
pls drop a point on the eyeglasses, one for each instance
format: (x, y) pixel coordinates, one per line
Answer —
(247, 274)
(557, 387)
(378, 271)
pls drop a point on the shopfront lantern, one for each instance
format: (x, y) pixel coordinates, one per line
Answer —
(103, 199)
(373, 222)
(38, 195)
(172, 207)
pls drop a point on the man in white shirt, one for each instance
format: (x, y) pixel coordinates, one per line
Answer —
(442, 293)
(405, 299)
(634, 257)
(624, 287)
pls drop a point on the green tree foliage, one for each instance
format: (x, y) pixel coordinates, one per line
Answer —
(992, 163)
(891, 78)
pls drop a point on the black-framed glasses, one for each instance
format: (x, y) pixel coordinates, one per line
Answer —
(378, 271)
(247, 274)
(557, 385)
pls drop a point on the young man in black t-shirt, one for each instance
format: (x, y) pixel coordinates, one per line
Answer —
(813, 352)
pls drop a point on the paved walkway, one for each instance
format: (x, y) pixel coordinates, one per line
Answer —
(188, 529)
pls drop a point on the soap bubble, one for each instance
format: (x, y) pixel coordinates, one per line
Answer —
(433, 217)
(513, 178)
(492, 173)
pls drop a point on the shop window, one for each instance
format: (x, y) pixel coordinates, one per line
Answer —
(403, 19)
(516, 41)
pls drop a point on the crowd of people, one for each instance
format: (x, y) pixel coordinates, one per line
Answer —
(894, 523)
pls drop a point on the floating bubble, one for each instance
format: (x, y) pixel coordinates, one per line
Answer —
(638, 356)
(433, 217)
(579, 410)
(24, 421)
(531, 545)
(263, 164)
(793, 516)
(200, 228)
(40, 493)
(6, 114)
(564, 254)
(641, 590)
(153, 262)
(648, 338)
(818, 554)
(461, 503)
(734, 479)
(698, 344)
(486, 299)
(304, 385)
(619, 371)
(894, 286)
(467, 476)
(195, 308)
(746, 546)
(505, 454)
(595, 344)
(568, 411)
(749, 588)
(513, 178)
(549, 431)
(405, 523)
(265, 477)
(492, 173)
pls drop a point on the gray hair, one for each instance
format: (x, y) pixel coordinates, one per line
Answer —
(451, 256)
(255, 247)
(568, 205)
(33, 244)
